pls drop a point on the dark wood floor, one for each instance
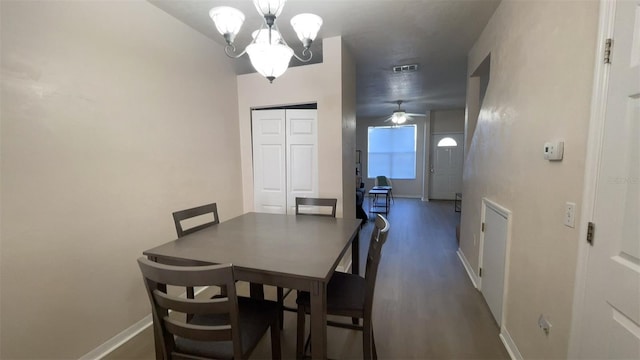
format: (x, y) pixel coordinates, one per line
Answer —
(425, 305)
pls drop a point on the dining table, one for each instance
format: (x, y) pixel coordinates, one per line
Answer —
(296, 252)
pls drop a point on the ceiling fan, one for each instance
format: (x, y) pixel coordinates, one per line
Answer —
(399, 116)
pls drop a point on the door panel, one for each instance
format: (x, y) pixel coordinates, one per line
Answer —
(494, 247)
(611, 313)
(268, 131)
(302, 156)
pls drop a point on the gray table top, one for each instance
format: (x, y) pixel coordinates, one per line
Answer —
(298, 246)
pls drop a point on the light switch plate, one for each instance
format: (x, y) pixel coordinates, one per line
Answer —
(570, 214)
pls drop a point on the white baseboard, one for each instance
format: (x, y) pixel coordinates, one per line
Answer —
(120, 339)
(467, 266)
(510, 345)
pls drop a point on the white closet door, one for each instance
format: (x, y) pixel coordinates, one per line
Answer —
(494, 251)
(302, 155)
(269, 161)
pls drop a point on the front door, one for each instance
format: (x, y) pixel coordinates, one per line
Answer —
(611, 312)
(446, 165)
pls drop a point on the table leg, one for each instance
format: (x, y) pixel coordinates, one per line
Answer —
(319, 320)
(355, 254)
(355, 263)
(388, 200)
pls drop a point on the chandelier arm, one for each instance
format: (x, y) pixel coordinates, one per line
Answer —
(230, 51)
(304, 53)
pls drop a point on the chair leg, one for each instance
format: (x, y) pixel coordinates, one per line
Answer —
(300, 332)
(276, 351)
(366, 340)
(373, 344)
(280, 292)
(190, 295)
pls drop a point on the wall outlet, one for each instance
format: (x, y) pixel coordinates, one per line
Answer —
(570, 214)
(544, 324)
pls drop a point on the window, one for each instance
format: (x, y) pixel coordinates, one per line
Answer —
(447, 142)
(392, 152)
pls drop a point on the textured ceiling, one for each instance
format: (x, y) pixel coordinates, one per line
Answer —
(380, 34)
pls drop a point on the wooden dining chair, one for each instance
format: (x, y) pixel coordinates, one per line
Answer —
(223, 327)
(186, 214)
(310, 206)
(350, 295)
(182, 215)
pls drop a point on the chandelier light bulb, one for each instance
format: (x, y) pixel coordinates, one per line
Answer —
(306, 27)
(228, 21)
(270, 60)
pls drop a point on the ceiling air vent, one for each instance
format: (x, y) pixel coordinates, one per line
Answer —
(405, 68)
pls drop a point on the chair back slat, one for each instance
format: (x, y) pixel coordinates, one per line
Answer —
(181, 215)
(216, 305)
(186, 275)
(157, 276)
(316, 202)
(198, 332)
(378, 238)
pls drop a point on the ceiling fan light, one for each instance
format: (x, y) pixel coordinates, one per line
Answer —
(399, 117)
(269, 7)
(306, 27)
(228, 21)
(270, 61)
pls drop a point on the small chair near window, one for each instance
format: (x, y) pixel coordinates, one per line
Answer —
(223, 327)
(350, 295)
(306, 206)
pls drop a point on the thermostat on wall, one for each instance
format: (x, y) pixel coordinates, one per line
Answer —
(553, 150)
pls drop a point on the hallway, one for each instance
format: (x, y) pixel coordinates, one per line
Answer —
(425, 305)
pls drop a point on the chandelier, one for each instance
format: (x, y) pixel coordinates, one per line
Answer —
(268, 51)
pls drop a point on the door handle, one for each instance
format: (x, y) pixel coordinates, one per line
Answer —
(431, 170)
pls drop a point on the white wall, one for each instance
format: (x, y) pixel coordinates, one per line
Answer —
(542, 61)
(114, 114)
(320, 83)
(447, 121)
(348, 132)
